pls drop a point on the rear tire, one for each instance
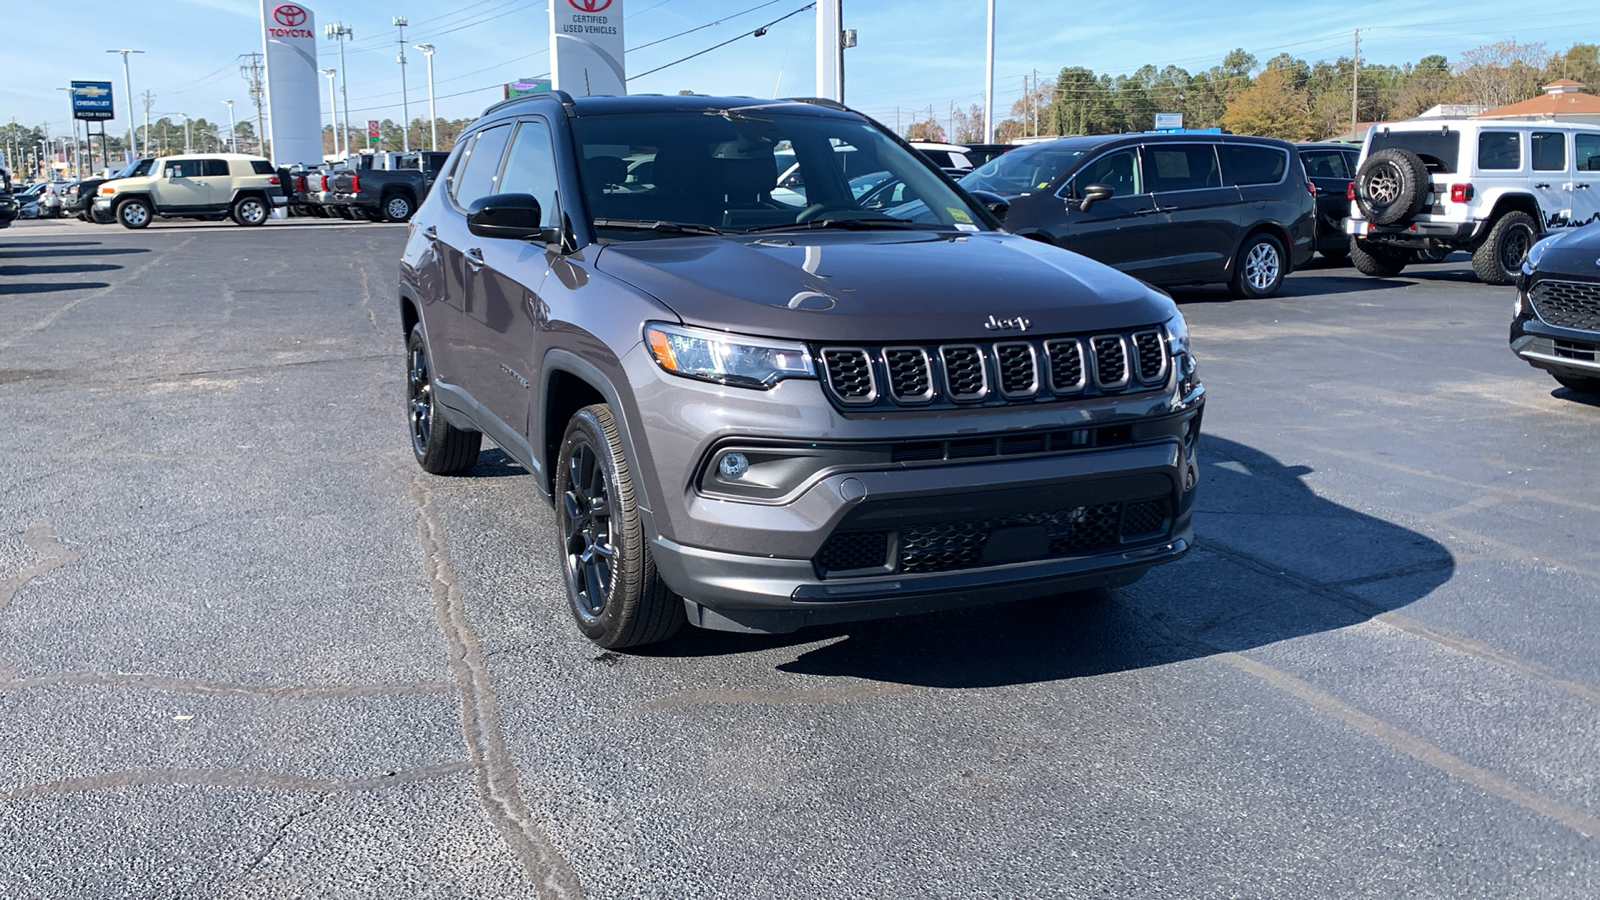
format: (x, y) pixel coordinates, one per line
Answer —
(250, 211)
(613, 590)
(1376, 259)
(1259, 268)
(1498, 260)
(397, 208)
(440, 448)
(1579, 384)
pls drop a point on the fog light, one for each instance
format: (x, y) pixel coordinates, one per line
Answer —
(732, 466)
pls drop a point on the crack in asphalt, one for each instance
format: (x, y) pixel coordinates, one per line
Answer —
(498, 787)
(41, 539)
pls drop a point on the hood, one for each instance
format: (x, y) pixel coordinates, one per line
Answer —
(1575, 252)
(884, 287)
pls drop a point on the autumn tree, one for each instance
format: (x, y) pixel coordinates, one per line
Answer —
(1271, 107)
(1501, 73)
(1580, 63)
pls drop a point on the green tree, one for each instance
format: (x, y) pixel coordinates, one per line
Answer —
(1272, 107)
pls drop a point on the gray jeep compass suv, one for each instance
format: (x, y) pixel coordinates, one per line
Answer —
(759, 407)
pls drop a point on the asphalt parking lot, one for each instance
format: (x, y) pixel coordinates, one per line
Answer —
(248, 649)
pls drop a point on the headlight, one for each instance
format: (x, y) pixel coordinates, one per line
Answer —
(1177, 334)
(726, 358)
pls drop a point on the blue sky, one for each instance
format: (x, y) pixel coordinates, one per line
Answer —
(912, 53)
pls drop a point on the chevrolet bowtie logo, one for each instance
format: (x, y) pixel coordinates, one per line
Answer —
(90, 91)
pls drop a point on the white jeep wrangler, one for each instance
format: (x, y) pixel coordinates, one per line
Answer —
(1490, 187)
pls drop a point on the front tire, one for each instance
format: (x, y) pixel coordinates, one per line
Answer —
(1498, 259)
(397, 208)
(1259, 268)
(133, 213)
(1376, 259)
(250, 211)
(613, 590)
(440, 448)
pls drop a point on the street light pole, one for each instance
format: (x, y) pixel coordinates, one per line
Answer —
(233, 140)
(186, 144)
(988, 84)
(433, 120)
(339, 32)
(405, 105)
(127, 83)
(77, 157)
(333, 108)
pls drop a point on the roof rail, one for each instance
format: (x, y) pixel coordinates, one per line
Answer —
(562, 97)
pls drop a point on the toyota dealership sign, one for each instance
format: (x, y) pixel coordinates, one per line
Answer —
(294, 94)
(586, 47)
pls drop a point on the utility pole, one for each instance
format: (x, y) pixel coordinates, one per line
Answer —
(405, 104)
(127, 84)
(950, 133)
(252, 75)
(333, 108)
(988, 84)
(233, 139)
(338, 31)
(149, 101)
(1035, 101)
(1355, 87)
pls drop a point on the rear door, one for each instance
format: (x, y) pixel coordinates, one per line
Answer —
(460, 354)
(1551, 158)
(1199, 215)
(1585, 178)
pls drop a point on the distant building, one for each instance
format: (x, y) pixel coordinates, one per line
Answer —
(1562, 101)
(1452, 111)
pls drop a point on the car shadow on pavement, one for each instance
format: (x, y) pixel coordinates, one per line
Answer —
(76, 269)
(24, 252)
(43, 288)
(1273, 561)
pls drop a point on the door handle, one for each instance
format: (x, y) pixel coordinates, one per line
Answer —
(1582, 187)
(475, 258)
(431, 233)
(1143, 212)
(1541, 184)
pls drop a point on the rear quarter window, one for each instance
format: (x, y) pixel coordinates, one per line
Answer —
(1586, 152)
(260, 167)
(1255, 164)
(1500, 150)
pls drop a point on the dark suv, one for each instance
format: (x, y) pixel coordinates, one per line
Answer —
(1168, 208)
(758, 408)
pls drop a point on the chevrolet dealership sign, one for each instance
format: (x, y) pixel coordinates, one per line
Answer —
(91, 100)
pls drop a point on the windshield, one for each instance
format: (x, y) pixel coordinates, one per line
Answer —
(734, 171)
(1024, 170)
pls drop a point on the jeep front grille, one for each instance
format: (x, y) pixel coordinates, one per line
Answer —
(997, 372)
(1568, 304)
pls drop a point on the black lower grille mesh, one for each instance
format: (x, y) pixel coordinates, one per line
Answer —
(854, 550)
(1568, 304)
(1144, 517)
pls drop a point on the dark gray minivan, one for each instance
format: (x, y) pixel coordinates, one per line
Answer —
(1166, 208)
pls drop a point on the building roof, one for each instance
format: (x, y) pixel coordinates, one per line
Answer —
(1560, 98)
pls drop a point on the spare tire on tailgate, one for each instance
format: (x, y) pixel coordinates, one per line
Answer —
(1391, 186)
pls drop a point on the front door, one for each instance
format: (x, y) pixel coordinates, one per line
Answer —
(1119, 231)
(1585, 179)
(461, 351)
(184, 185)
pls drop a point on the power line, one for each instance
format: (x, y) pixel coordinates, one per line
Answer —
(761, 29)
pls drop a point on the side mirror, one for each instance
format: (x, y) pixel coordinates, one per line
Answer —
(993, 202)
(1093, 194)
(511, 216)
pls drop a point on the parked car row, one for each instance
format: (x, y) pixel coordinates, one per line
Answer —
(372, 187)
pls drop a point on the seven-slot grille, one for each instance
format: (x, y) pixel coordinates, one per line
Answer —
(1568, 304)
(995, 372)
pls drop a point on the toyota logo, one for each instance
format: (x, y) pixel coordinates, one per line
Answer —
(290, 16)
(589, 6)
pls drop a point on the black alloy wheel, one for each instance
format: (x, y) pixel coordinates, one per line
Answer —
(440, 448)
(587, 504)
(1498, 260)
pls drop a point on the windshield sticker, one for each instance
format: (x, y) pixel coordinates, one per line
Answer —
(960, 215)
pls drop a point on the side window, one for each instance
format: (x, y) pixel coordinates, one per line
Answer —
(1180, 167)
(1256, 164)
(1588, 152)
(180, 168)
(214, 168)
(1549, 151)
(475, 175)
(261, 167)
(531, 169)
(1118, 170)
(1500, 150)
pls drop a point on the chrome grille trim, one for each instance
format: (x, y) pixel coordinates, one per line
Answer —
(850, 375)
(1018, 366)
(1068, 374)
(1111, 370)
(910, 374)
(1150, 355)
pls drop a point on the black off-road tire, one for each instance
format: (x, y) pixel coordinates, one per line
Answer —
(397, 207)
(1378, 260)
(1391, 186)
(251, 211)
(1580, 384)
(1498, 259)
(1260, 267)
(440, 448)
(134, 213)
(613, 590)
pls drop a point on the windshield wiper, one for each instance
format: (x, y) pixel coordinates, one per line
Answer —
(848, 224)
(658, 225)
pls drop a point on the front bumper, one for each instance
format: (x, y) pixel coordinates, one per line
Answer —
(1562, 351)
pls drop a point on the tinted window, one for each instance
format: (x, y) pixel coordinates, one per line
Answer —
(1118, 170)
(182, 168)
(1439, 149)
(1499, 150)
(215, 168)
(475, 176)
(260, 167)
(1255, 164)
(1588, 152)
(1024, 170)
(1549, 149)
(1180, 167)
(531, 169)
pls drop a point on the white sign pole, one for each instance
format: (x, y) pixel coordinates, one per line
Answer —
(294, 98)
(586, 54)
(828, 51)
